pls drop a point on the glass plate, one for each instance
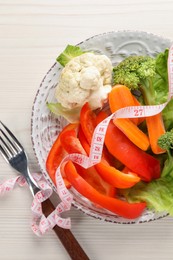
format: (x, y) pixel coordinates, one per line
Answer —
(45, 126)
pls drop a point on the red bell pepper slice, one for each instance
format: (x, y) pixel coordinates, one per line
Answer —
(105, 154)
(56, 154)
(92, 177)
(101, 116)
(117, 206)
(144, 165)
(110, 174)
(87, 121)
(83, 140)
(71, 144)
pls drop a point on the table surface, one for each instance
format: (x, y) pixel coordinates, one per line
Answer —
(32, 33)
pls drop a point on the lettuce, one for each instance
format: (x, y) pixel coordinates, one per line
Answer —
(71, 115)
(167, 115)
(69, 53)
(158, 194)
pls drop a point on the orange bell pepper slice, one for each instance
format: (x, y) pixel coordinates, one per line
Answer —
(115, 177)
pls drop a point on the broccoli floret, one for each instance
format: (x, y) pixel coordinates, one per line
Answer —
(130, 71)
(144, 73)
(165, 142)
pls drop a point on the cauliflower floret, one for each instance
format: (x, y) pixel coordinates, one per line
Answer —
(86, 78)
(104, 65)
(102, 92)
(90, 78)
(72, 95)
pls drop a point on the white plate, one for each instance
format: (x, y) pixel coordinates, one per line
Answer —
(45, 126)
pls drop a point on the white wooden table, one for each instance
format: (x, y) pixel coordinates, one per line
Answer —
(32, 33)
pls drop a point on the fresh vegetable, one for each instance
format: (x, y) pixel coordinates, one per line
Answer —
(137, 103)
(158, 193)
(105, 154)
(101, 116)
(71, 144)
(83, 140)
(110, 174)
(71, 115)
(166, 142)
(115, 177)
(56, 154)
(68, 54)
(167, 114)
(119, 97)
(155, 128)
(92, 177)
(117, 206)
(86, 77)
(149, 76)
(138, 161)
(87, 121)
(137, 136)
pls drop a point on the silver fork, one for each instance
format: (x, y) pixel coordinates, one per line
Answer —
(13, 152)
(15, 155)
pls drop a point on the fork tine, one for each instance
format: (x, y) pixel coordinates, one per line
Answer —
(15, 141)
(6, 146)
(4, 153)
(11, 144)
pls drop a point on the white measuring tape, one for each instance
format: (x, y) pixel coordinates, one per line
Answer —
(41, 224)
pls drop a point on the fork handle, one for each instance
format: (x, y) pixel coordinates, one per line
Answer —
(65, 235)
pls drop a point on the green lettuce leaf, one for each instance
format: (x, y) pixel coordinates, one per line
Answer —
(158, 194)
(71, 115)
(69, 53)
(160, 81)
(161, 64)
(167, 115)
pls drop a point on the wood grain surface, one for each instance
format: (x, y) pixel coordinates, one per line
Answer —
(32, 34)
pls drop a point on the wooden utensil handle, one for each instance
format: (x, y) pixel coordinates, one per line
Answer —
(65, 235)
